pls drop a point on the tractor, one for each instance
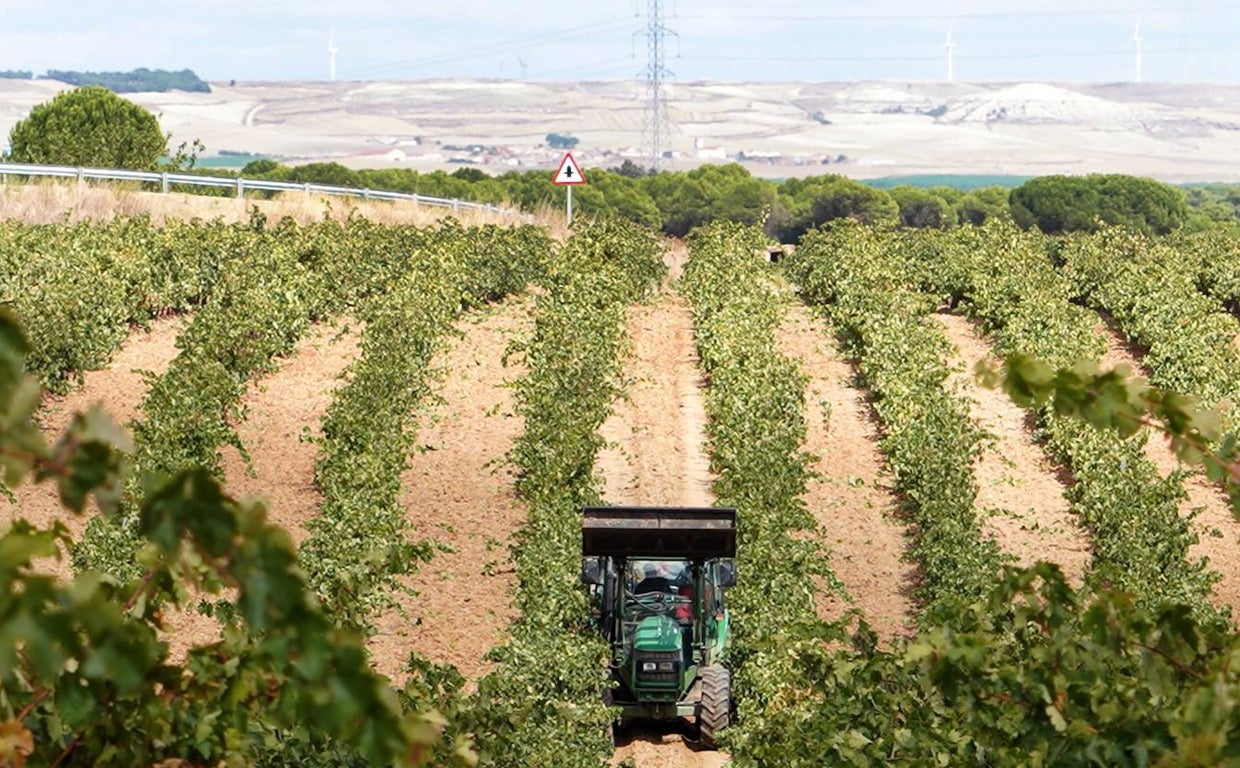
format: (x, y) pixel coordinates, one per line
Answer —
(657, 578)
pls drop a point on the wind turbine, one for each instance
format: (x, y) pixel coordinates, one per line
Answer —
(950, 47)
(525, 65)
(332, 50)
(1137, 40)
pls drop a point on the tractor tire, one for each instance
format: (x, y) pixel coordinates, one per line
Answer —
(715, 709)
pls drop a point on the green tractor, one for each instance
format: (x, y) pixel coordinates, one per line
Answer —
(657, 578)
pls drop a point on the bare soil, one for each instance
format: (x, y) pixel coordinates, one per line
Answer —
(458, 491)
(281, 408)
(656, 433)
(656, 457)
(1217, 530)
(283, 412)
(850, 494)
(1020, 497)
(119, 388)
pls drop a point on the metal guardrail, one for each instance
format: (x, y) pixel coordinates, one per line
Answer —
(239, 185)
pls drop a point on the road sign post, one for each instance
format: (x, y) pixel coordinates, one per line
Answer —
(568, 175)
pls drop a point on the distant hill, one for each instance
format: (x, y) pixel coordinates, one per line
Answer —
(1174, 132)
(140, 80)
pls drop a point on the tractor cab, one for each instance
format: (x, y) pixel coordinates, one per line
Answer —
(657, 578)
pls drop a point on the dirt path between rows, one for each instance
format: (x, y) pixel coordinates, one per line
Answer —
(459, 492)
(850, 495)
(280, 409)
(1217, 530)
(657, 457)
(655, 435)
(1020, 500)
(119, 388)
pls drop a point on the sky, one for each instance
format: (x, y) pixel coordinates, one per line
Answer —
(721, 40)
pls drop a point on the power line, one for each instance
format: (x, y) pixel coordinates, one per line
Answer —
(606, 66)
(658, 124)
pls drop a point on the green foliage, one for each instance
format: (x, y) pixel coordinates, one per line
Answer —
(88, 127)
(616, 195)
(1217, 259)
(1151, 291)
(1005, 279)
(920, 209)
(632, 170)
(333, 174)
(1213, 207)
(982, 205)
(359, 545)
(544, 703)
(709, 193)
(816, 200)
(82, 286)
(258, 310)
(1059, 204)
(260, 167)
(141, 80)
(1034, 674)
(872, 294)
(756, 429)
(84, 677)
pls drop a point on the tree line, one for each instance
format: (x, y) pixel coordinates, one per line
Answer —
(141, 80)
(675, 202)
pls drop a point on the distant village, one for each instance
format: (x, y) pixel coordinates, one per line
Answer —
(417, 153)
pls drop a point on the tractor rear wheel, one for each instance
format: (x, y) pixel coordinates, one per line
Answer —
(715, 708)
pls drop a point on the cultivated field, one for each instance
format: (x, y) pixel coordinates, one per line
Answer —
(395, 384)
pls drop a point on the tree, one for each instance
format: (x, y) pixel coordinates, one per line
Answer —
(612, 194)
(632, 170)
(89, 127)
(710, 192)
(559, 141)
(259, 167)
(818, 199)
(983, 204)
(471, 175)
(1059, 204)
(922, 209)
(333, 174)
(138, 81)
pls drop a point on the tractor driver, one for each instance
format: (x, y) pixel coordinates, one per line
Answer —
(653, 579)
(668, 578)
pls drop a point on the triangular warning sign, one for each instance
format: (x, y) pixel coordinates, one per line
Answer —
(569, 173)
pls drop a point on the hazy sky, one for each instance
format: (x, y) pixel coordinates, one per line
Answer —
(584, 39)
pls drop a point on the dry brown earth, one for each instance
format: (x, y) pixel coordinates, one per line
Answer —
(119, 388)
(850, 494)
(654, 455)
(459, 492)
(281, 409)
(50, 202)
(1020, 497)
